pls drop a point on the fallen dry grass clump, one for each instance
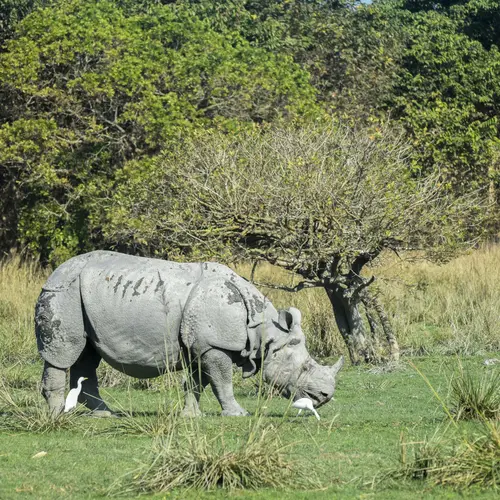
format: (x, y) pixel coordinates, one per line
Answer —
(188, 458)
(468, 461)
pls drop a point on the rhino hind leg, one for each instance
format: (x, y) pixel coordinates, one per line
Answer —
(194, 383)
(86, 366)
(53, 386)
(218, 366)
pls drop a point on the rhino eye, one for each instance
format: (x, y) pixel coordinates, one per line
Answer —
(294, 342)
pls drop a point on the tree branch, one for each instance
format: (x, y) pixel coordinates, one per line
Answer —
(301, 286)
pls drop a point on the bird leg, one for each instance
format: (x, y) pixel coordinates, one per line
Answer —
(53, 385)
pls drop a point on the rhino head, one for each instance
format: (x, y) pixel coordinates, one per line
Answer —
(289, 367)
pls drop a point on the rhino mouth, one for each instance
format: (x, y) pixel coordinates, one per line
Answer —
(317, 399)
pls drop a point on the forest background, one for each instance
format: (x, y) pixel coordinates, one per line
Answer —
(309, 134)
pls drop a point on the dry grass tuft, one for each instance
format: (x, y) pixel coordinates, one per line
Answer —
(460, 459)
(162, 424)
(475, 397)
(30, 414)
(187, 458)
(470, 461)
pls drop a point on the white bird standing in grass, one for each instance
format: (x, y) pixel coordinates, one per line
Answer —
(305, 404)
(72, 397)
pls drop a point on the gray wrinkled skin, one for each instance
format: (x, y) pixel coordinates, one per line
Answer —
(149, 316)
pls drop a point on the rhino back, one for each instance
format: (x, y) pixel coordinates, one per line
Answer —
(134, 306)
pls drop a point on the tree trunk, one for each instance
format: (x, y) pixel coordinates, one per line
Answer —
(371, 302)
(351, 326)
(363, 346)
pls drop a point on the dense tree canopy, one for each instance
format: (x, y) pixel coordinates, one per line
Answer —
(87, 89)
(447, 95)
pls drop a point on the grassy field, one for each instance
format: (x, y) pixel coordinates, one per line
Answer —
(445, 318)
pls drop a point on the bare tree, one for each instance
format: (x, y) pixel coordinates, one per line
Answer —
(322, 201)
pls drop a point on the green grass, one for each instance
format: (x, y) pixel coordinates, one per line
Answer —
(356, 440)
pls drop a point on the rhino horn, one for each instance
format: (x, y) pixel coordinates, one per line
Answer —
(337, 366)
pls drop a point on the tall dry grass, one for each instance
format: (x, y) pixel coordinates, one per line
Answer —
(454, 308)
(448, 309)
(20, 285)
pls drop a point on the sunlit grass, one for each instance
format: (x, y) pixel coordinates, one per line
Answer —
(475, 396)
(455, 456)
(30, 414)
(186, 458)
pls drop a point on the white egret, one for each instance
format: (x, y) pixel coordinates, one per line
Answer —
(305, 404)
(72, 397)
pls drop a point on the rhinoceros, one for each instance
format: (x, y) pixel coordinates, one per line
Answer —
(148, 316)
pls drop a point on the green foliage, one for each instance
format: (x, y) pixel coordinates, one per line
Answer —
(350, 50)
(93, 92)
(13, 11)
(447, 96)
(98, 88)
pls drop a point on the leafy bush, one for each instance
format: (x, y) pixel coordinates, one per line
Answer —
(101, 92)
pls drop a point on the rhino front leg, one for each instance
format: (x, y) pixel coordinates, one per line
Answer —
(86, 366)
(218, 365)
(53, 385)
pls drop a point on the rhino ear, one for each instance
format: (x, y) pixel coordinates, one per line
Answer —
(296, 317)
(290, 318)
